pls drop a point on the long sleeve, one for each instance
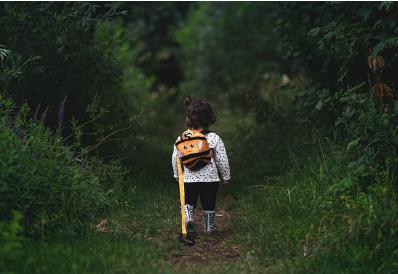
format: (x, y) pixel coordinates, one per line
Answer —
(174, 162)
(221, 158)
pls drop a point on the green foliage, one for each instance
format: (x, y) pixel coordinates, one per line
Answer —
(106, 253)
(373, 125)
(297, 22)
(352, 41)
(368, 99)
(346, 212)
(261, 142)
(58, 189)
(351, 45)
(59, 38)
(313, 69)
(363, 238)
(149, 29)
(227, 47)
(286, 213)
(53, 50)
(137, 234)
(295, 220)
(332, 42)
(298, 194)
(11, 242)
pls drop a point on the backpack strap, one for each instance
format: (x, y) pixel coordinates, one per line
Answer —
(205, 131)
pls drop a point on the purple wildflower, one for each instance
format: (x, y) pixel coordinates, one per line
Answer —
(20, 135)
(35, 156)
(34, 117)
(14, 129)
(61, 114)
(5, 123)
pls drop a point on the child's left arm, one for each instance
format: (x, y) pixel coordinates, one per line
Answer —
(221, 158)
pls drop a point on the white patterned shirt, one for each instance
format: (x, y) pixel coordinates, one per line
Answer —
(209, 173)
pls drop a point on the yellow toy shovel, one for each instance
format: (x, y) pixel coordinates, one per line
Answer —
(184, 237)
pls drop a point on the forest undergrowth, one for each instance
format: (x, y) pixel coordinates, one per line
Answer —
(305, 217)
(90, 105)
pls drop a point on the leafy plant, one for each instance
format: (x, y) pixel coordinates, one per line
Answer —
(227, 49)
(58, 189)
(368, 99)
(51, 50)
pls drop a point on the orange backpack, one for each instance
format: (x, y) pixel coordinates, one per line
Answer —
(193, 149)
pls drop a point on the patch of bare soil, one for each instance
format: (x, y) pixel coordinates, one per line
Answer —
(209, 249)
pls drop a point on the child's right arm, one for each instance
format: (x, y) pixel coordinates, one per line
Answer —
(174, 162)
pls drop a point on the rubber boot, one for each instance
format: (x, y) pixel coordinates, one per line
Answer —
(208, 222)
(190, 221)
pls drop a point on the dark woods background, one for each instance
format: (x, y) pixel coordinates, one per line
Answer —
(91, 97)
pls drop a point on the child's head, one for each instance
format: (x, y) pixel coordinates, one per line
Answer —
(199, 112)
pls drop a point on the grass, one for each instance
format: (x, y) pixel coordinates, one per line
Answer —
(279, 217)
(281, 225)
(133, 237)
(284, 221)
(95, 253)
(294, 225)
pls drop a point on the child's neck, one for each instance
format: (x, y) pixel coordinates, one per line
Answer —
(198, 129)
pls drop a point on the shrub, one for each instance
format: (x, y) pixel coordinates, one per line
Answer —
(57, 188)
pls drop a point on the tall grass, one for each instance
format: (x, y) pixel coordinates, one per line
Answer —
(65, 211)
(301, 206)
(298, 207)
(56, 188)
(136, 233)
(135, 236)
(302, 222)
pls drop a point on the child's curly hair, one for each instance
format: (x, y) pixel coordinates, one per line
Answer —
(200, 113)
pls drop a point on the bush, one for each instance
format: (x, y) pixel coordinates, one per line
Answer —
(50, 50)
(57, 188)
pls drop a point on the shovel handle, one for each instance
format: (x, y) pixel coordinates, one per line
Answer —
(182, 198)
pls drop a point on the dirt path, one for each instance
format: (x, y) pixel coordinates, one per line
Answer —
(209, 249)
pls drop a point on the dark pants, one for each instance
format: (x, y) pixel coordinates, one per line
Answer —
(206, 191)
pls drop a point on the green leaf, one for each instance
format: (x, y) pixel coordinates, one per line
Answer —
(328, 36)
(319, 105)
(378, 48)
(314, 31)
(340, 120)
(393, 106)
(391, 42)
(348, 112)
(330, 26)
(352, 165)
(353, 143)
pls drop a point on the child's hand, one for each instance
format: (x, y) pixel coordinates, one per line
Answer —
(226, 182)
(178, 180)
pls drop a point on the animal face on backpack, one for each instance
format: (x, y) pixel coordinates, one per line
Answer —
(193, 149)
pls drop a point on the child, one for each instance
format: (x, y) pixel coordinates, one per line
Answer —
(204, 182)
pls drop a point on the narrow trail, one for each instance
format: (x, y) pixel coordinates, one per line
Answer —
(209, 249)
